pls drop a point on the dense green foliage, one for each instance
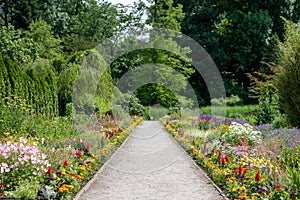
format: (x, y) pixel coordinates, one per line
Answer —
(238, 35)
(37, 87)
(49, 40)
(288, 78)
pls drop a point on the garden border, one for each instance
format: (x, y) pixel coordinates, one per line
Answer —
(89, 184)
(200, 169)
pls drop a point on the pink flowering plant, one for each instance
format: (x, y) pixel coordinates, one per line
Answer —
(20, 161)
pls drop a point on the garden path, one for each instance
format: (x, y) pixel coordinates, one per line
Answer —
(150, 165)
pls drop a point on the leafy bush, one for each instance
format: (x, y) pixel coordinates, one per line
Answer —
(280, 121)
(268, 108)
(288, 82)
(231, 101)
(27, 189)
(157, 112)
(13, 113)
(131, 104)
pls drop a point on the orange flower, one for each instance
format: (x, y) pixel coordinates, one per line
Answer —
(65, 188)
(243, 196)
(73, 173)
(78, 177)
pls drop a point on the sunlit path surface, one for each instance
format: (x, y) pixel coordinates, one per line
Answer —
(150, 165)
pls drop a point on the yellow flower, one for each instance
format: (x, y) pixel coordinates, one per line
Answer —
(65, 188)
(58, 179)
(231, 179)
(255, 194)
(82, 168)
(63, 171)
(234, 189)
(242, 188)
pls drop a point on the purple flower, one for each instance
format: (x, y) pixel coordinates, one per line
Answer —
(59, 173)
(260, 191)
(50, 178)
(241, 176)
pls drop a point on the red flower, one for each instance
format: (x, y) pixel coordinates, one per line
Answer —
(220, 153)
(257, 176)
(66, 163)
(49, 171)
(277, 186)
(213, 150)
(240, 169)
(245, 170)
(88, 148)
(107, 136)
(227, 158)
(223, 161)
(113, 134)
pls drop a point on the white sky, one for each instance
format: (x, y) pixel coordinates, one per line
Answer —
(125, 2)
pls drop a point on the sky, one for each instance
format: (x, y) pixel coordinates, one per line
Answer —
(125, 2)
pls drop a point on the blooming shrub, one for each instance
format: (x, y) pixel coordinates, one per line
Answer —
(20, 161)
(237, 134)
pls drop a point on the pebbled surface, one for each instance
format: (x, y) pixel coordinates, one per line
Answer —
(150, 165)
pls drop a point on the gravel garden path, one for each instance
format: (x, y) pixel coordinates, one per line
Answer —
(150, 165)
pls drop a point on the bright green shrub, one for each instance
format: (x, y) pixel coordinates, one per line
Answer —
(288, 79)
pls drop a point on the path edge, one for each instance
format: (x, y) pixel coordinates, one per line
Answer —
(197, 166)
(95, 177)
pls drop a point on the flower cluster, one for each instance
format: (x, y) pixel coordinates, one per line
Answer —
(19, 160)
(237, 134)
(250, 175)
(68, 177)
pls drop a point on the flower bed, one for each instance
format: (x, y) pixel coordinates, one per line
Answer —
(241, 160)
(34, 169)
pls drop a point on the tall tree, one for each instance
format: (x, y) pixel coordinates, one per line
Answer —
(237, 34)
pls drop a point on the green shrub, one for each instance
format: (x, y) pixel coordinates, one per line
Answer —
(26, 190)
(13, 112)
(280, 121)
(268, 108)
(288, 82)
